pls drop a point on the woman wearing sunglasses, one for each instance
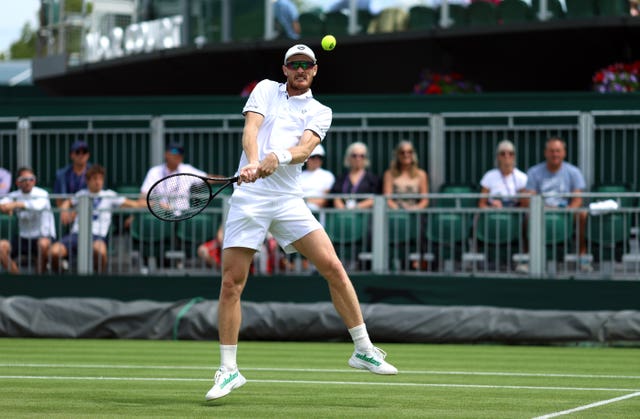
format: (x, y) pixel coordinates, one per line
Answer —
(504, 181)
(357, 180)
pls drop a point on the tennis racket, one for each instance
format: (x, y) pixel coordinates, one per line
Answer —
(184, 195)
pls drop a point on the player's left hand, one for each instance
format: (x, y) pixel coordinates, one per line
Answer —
(268, 165)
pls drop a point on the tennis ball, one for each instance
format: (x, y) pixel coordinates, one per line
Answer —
(328, 42)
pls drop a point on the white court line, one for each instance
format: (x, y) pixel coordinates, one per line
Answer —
(343, 370)
(588, 406)
(351, 383)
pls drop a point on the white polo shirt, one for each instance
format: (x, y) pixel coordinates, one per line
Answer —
(160, 171)
(285, 119)
(36, 220)
(102, 202)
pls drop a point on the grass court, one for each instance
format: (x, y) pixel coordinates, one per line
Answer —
(124, 378)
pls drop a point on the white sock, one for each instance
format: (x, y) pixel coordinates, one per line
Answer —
(228, 356)
(360, 338)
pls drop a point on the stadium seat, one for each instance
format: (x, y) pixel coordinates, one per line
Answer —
(336, 23)
(193, 232)
(498, 235)
(553, 6)
(364, 19)
(129, 190)
(422, 18)
(151, 238)
(514, 11)
(8, 226)
(403, 234)
(558, 234)
(481, 13)
(457, 14)
(614, 190)
(347, 231)
(580, 8)
(608, 235)
(457, 202)
(613, 7)
(311, 24)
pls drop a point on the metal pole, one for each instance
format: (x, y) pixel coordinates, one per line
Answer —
(85, 237)
(23, 149)
(269, 31)
(436, 151)
(586, 147)
(353, 17)
(225, 13)
(379, 239)
(186, 22)
(156, 148)
(537, 249)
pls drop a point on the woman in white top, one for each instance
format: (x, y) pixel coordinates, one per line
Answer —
(503, 182)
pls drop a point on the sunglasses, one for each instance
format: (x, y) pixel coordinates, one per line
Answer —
(26, 179)
(402, 152)
(305, 65)
(81, 151)
(358, 156)
(507, 153)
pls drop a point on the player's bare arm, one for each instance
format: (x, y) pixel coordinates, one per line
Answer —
(253, 121)
(299, 153)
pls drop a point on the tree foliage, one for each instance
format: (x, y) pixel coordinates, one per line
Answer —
(25, 47)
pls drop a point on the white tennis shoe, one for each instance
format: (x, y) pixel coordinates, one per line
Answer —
(372, 360)
(225, 381)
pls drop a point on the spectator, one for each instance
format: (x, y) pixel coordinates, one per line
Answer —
(554, 177)
(71, 178)
(345, 4)
(211, 251)
(404, 176)
(103, 201)
(634, 7)
(5, 181)
(287, 15)
(174, 163)
(316, 181)
(504, 181)
(357, 180)
(32, 206)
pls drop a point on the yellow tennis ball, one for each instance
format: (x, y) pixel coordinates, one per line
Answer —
(328, 42)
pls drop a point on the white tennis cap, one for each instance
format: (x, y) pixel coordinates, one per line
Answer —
(299, 49)
(318, 151)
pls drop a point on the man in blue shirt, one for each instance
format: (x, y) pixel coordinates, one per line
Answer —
(71, 178)
(286, 14)
(554, 177)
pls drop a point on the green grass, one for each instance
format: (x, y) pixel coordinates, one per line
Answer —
(126, 378)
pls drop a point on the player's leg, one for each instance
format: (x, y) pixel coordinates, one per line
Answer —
(235, 271)
(317, 247)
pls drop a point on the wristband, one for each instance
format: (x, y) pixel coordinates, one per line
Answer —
(283, 156)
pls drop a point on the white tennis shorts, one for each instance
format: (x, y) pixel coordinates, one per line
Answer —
(250, 217)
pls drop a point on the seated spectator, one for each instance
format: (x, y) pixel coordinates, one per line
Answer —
(287, 15)
(71, 178)
(174, 163)
(32, 206)
(316, 181)
(5, 181)
(503, 182)
(554, 177)
(357, 180)
(404, 176)
(103, 202)
(211, 251)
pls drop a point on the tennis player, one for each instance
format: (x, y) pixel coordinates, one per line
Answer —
(283, 124)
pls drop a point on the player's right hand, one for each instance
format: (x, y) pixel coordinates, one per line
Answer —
(248, 173)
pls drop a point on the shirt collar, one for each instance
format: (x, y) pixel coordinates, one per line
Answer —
(305, 95)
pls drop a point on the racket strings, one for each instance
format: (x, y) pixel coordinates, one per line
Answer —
(179, 197)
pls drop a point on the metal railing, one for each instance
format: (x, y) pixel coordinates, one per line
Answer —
(451, 237)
